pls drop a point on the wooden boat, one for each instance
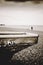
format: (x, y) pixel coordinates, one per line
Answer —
(18, 37)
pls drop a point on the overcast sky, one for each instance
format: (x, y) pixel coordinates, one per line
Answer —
(20, 14)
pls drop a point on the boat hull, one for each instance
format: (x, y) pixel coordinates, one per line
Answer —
(18, 37)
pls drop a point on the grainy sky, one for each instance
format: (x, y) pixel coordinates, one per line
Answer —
(19, 13)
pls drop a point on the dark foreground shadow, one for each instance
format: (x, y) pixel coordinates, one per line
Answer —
(5, 56)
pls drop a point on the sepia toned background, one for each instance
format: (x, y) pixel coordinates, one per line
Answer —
(22, 16)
